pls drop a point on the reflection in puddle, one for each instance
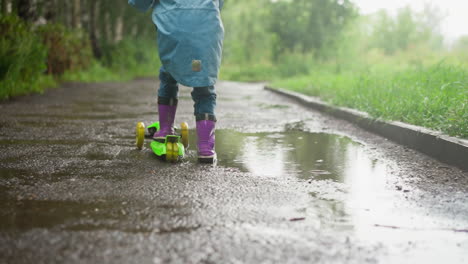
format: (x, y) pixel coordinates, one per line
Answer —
(345, 182)
(347, 186)
(299, 154)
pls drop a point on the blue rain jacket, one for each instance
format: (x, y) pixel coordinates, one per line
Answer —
(190, 38)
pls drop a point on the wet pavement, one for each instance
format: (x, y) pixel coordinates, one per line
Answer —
(291, 186)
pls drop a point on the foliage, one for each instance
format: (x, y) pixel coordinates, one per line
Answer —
(406, 29)
(95, 73)
(252, 72)
(136, 57)
(266, 30)
(64, 40)
(307, 25)
(247, 38)
(126, 60)
(393, 67)
(68, 50)
(22, 58)
(462, 44)
(460, 48)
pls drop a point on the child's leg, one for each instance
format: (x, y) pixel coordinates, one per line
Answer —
(167, 104)
(205, 104)
(168, 87)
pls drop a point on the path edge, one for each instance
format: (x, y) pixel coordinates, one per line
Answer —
(450, 150)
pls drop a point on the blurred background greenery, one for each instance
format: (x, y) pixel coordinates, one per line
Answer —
(44, 42)
(393, 66)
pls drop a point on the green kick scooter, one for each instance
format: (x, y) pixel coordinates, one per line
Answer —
(172, 148)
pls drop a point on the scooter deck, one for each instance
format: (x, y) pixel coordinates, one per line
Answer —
(171, 148)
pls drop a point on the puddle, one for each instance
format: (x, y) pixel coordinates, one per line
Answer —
(347, 185)
(307, 156)
(344, 181)
(24, 215)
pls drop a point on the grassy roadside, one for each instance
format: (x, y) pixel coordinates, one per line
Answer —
(125, 62)
(34, 58)
(434, 96)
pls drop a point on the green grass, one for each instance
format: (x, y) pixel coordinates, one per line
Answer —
(435, 97)
(99, 73)
(11, 88)
(247, 72)
(122, 62)
(95, 73)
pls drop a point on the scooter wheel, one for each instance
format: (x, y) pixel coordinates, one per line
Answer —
(140, 134)
(172, 152)
(184, 134)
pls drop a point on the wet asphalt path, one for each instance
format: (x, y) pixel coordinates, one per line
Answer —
(292, 186)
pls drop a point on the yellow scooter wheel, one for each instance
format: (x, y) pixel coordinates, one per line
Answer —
(184, 134)
(172, 152)
(140, 134)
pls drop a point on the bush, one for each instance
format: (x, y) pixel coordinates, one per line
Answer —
(22, 58)
(95, 73)
(120, 62)
(132, 58)
(292, 64)
(68, 50)
(31, 57)
(27, 55)
(286, 66)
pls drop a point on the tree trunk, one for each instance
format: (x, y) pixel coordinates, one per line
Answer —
(4, 7)
(118, 29)
(101, 24)
(117, 15)
(93, 29)
(76, 14)
(51, 9)
(107, 27)
(65, 13)
(25, 10)
(84, 13)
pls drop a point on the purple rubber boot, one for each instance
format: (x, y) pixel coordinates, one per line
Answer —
(166, 121)
(206, 141)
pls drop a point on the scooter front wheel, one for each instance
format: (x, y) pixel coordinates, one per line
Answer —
(140, 134)
(172, 152)
(184, 134)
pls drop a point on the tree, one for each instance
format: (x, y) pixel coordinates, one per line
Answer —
(25, 10)
(76, 14)
(308, 25)
(50, 10)
(93, 10)
(407, 29)
(4, 7)
(461, 44)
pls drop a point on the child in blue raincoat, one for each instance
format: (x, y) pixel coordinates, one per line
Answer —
(190, 41)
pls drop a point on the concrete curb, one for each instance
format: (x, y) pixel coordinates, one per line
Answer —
(450, 150)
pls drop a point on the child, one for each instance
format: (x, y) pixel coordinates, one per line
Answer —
(190, 40)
